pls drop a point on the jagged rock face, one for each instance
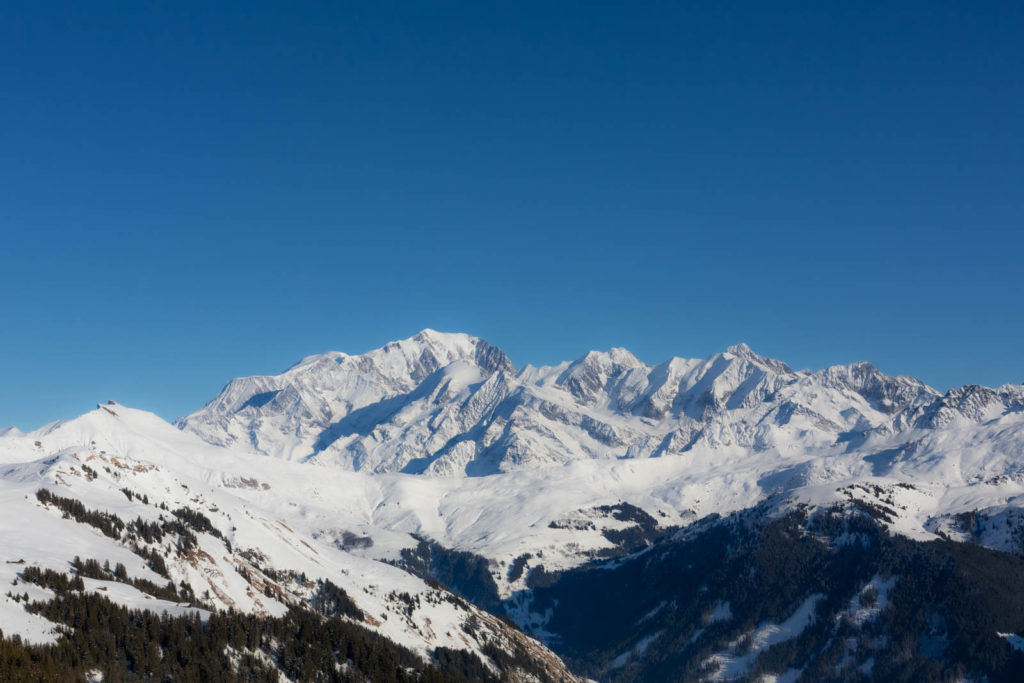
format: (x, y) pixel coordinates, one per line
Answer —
(970, 403)
(491, 359)
(452, 404)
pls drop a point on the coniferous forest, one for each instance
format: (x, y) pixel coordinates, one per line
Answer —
(128, 645)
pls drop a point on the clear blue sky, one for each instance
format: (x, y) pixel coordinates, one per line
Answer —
(195, 191)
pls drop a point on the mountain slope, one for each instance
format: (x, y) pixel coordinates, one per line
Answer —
(124, 488)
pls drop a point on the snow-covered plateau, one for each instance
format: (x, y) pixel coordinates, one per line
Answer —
(434, 458)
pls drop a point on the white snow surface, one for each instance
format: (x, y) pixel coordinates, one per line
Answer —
(1015, 641)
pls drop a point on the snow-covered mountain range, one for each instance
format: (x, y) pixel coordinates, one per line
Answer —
(682, 439)
(451, 404)
(433, 457)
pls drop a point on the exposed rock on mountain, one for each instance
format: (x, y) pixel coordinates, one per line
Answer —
(448, 404)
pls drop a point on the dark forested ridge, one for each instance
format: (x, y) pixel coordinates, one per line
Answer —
(463, 573)
(938, 615)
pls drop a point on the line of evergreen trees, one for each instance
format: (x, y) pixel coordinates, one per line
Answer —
(55, 581)
(132, 495)
(131, 645)
(181, 527)
(331, 600)
(108, 523)
(197, 521)
(92, 569)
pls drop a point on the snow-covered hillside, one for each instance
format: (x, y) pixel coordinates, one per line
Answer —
(265, 547)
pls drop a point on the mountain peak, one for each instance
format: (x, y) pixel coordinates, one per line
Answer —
(429, 334)
(435, 338)
(740, 349)
(448, 347)
(613, 357)
(287, 415)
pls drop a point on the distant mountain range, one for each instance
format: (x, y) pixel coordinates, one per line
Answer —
(452, 404)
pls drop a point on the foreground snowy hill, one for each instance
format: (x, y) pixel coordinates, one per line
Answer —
(193, 528)
(628, 516)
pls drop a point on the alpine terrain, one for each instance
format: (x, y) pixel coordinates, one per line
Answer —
(426, 511)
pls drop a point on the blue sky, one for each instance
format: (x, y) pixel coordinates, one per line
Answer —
(195, 191)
